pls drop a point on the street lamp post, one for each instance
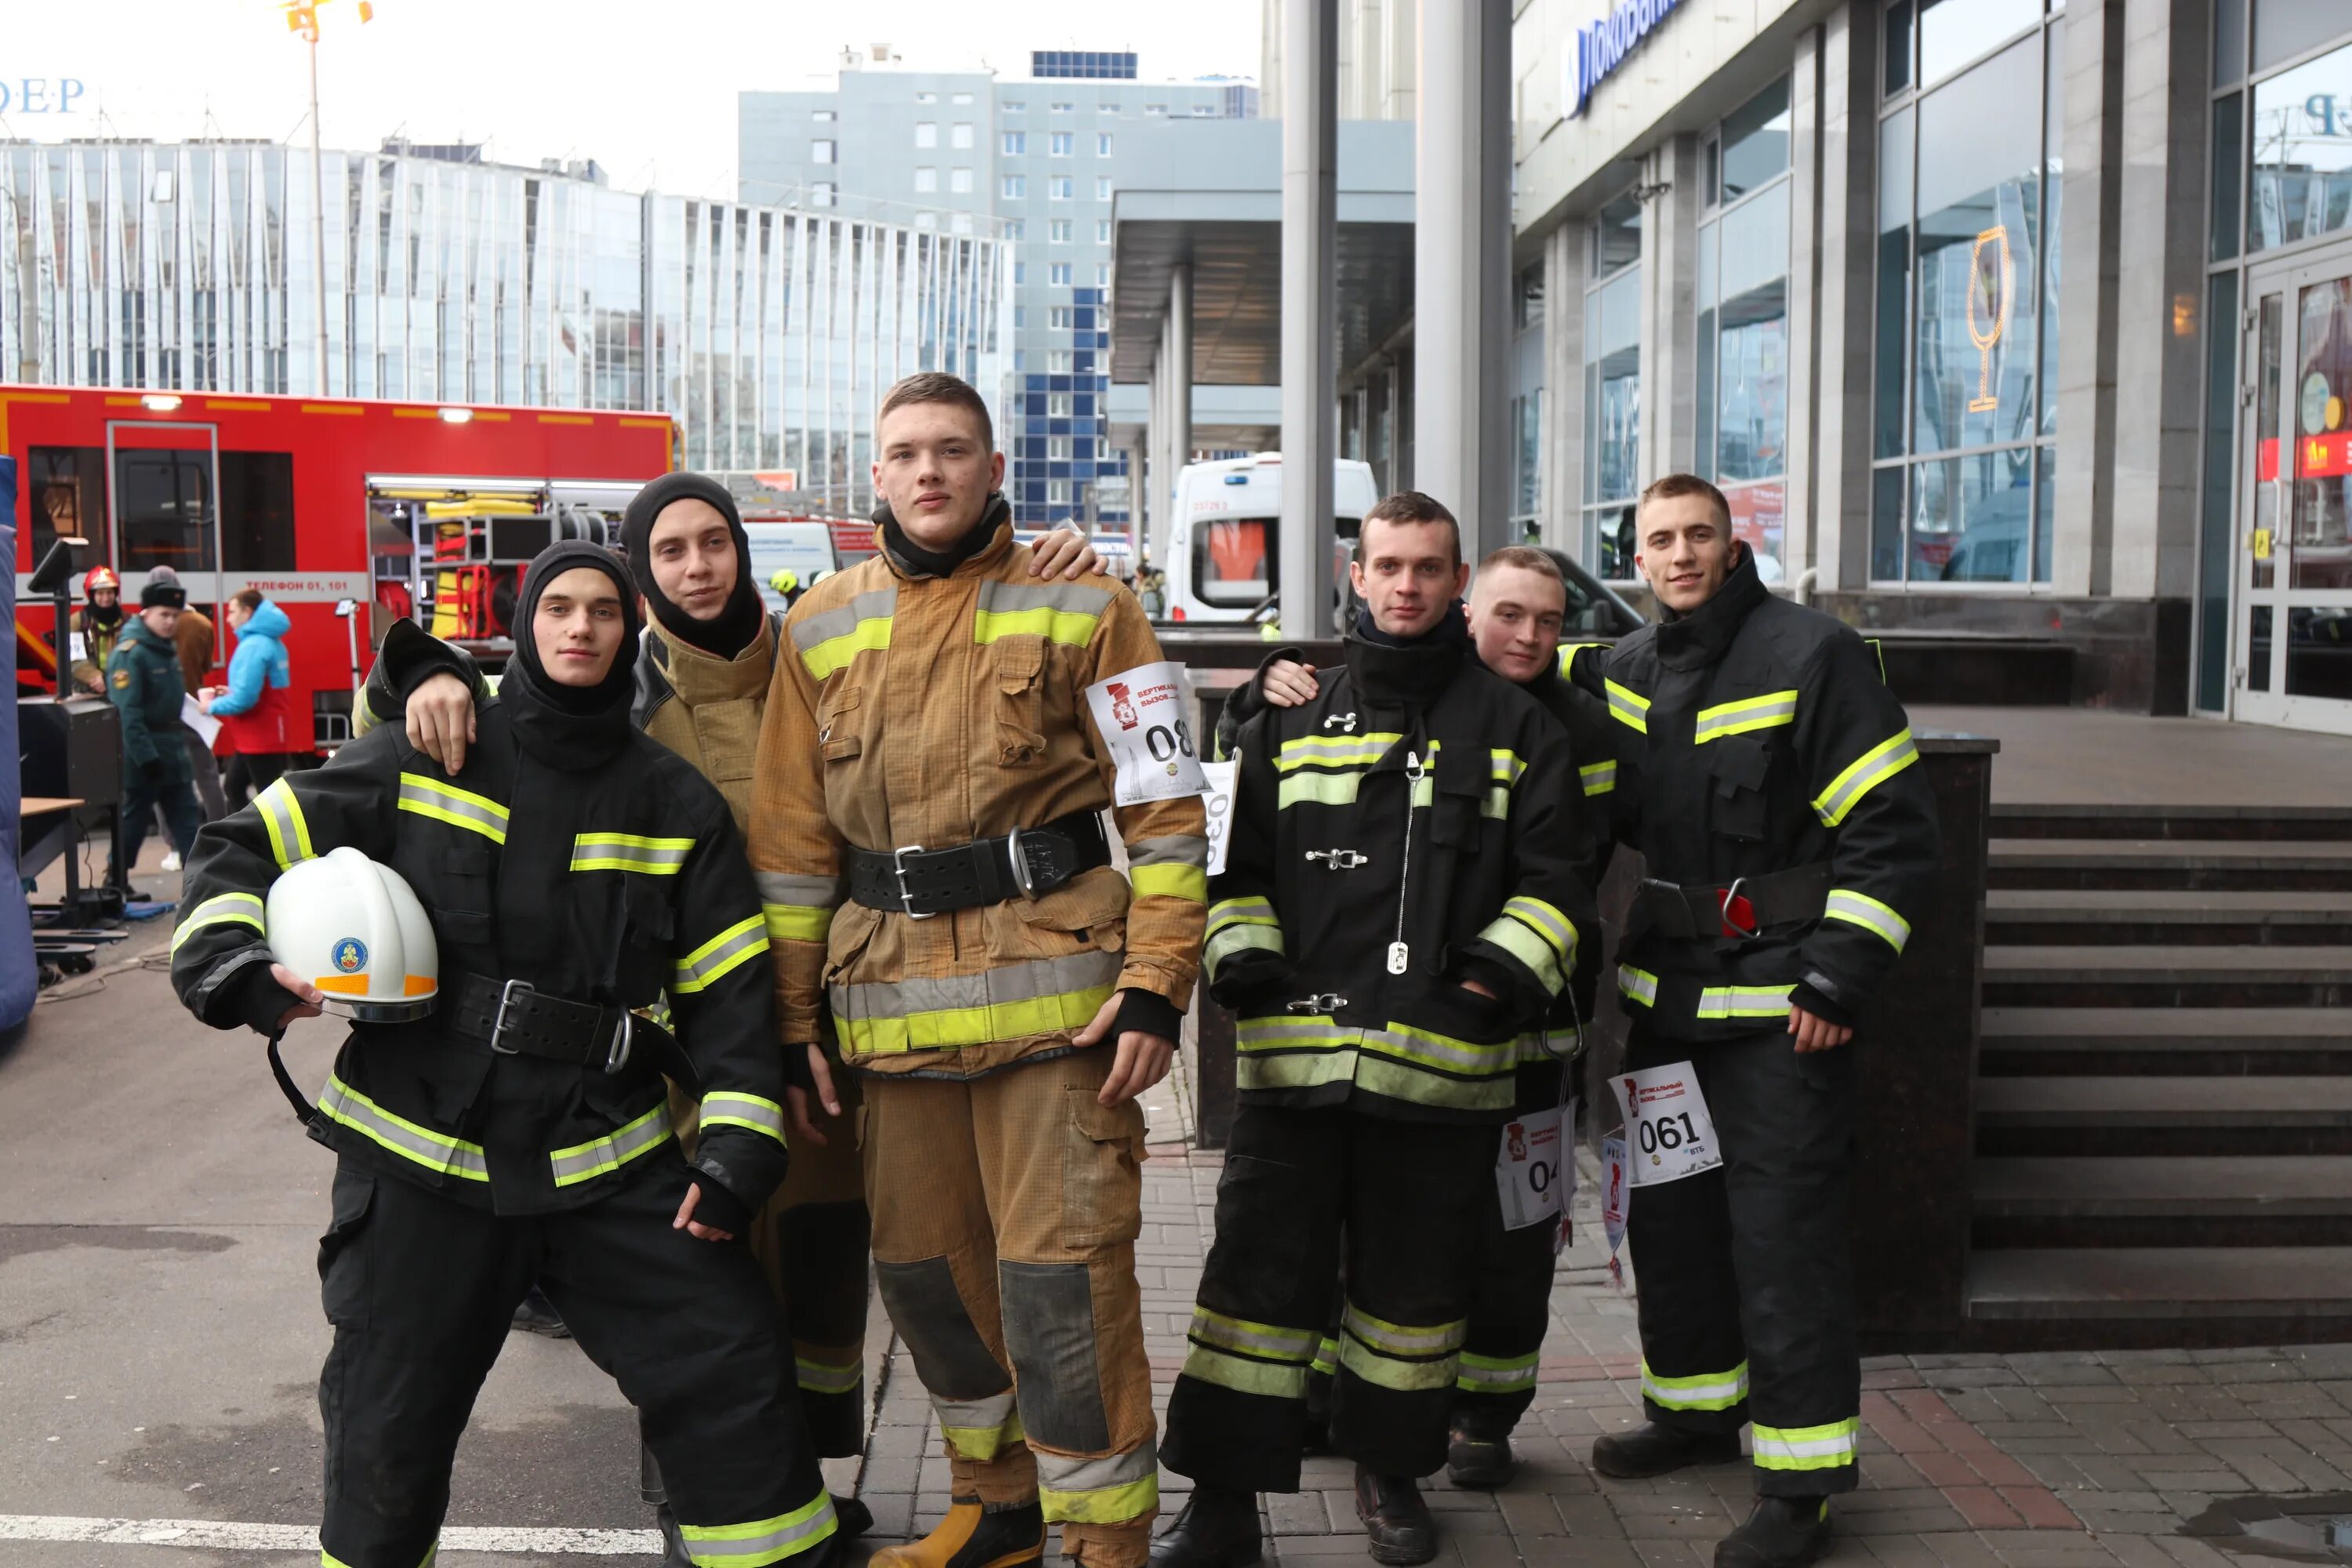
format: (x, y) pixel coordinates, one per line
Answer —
(302, 17)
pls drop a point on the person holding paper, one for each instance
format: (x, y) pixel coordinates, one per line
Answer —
(257, 707)
(927, 826)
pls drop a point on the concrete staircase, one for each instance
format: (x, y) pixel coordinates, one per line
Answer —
(2163, 1091)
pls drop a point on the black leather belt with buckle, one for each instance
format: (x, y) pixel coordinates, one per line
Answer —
(1742, 909)
(513, 1017)
(1020, 865)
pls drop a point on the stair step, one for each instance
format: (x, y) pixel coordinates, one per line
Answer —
(2075, 820)
(2108, 916)
(2247, 1200)
(2164, 1116)
(2315, 865)
(2125, 1297)
(2165, 1041)
(2170, 976)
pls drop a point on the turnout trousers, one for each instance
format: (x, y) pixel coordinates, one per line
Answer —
(1400, 1205)
(421, 1289)
(1005, 1212)
(1746, 1271)
(1510, 1286)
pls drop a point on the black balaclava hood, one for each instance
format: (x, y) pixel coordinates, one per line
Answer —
(918, 561)
(737, 622)
(570, 727)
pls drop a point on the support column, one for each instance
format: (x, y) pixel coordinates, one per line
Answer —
(1847, 238)
(1180, 371)
(1670, 311)
(1563, 399)
(1462, 266)
(1152, 468)
(1805, 253)
(2081, 552)
(1310, 135)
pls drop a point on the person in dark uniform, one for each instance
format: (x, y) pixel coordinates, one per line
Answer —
(521, 1132)
(142, 677)
(1766, 775)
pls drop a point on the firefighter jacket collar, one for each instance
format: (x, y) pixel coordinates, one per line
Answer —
(572, 728)
(989, 540)
(1408, 672)
(1703, 637)
(738, 621)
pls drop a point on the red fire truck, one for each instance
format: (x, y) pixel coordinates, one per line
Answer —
(346, 514)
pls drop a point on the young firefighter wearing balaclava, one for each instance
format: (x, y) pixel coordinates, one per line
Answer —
(579, 873)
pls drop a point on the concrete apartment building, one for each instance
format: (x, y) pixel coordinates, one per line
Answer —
(1029, 158)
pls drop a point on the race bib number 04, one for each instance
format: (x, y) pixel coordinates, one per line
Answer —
(1668, 1132)
(1144, 716)
(1535, 1168)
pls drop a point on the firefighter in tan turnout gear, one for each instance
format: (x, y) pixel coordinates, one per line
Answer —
(926, 829)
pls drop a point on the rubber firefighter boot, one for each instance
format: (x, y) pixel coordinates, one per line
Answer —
(1650, 1449)
(1396, 1519)
(1478, 1450)
(972, 1536)
(1783, 1532)
(1217, 1529)
(674, 1552)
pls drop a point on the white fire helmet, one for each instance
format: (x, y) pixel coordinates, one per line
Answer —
(354, 929)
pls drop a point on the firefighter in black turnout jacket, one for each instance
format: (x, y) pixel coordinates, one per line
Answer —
(1766, 773)
(1399, 901)
(580, 871)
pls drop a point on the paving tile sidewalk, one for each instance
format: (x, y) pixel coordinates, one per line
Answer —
(2059, 1460)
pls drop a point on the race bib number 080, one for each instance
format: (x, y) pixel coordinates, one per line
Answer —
(1668, 1132)
(1144, 716)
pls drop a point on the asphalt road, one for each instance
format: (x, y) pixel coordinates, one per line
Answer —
(160, 1328)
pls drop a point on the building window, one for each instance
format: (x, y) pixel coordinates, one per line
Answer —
(927, 133)
(1020, 273)
(1057, 448)
(1058, 187)
(1742, 402)
(1159, 108)
(1016, 144)
(1204, 112)
(927, 98)
(1057, 406)
(1966, 345)
(1057, 492)
(960, 134)
(926, 180)
(1527, 297)
(961, 223)
(1058, 361)
(1013, 106)
(820, 151)
(1013, 187)
(1058, 144)
(1613, 388)
(959, 181)
(1015, 230)
(1063, 108)
(1102, 274)
(1020, 317)
(1527, 452)
(1058, 274)
(1107, 106)
(1102, 231)
(824, 194)
(1102, 143)
(960, 99)
(1102, 188)
(1057, 231)
(2302, 147)
(1061, 318)
(822, 116)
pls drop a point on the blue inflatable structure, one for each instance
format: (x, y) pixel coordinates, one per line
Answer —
(19, 974)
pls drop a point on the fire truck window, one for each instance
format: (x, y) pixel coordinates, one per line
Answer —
(164, 503)
(68, 491)
(257, 511)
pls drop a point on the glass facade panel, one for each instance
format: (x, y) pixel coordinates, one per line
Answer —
(2285, 28)
(1973, 518)
(2220, 447)
(1756, 141)
(2228, 42)
(1894, 154)
(2227, 166)
(1617, 238)
(2321, 514)
(1953, 32)
(2302, 136)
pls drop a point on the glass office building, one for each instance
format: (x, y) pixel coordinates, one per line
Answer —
(769, 332)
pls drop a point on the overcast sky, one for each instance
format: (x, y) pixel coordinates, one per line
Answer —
(647, 90)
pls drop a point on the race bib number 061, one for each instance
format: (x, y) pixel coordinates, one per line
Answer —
(1144, 716)
(1668, 1129)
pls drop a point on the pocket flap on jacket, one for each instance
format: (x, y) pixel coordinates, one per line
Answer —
(1737, 763)
(1097, 898)
(1018, 662)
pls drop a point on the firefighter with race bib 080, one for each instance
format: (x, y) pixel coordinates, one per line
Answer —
(1766, 775)
(518, 1130)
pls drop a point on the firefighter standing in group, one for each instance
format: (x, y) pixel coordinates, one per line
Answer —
(702, 682)
(520, 1129)
(1519, 605)
(1401, 898)
(926, 825)
(1766, 775)
(95, 626)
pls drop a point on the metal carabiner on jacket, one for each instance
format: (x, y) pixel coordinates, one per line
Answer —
(1329, 1001)
(1340, 859)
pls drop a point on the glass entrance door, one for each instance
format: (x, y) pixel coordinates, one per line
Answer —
(2294, 563)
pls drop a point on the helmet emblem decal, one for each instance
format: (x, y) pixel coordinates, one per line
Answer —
(350, 955)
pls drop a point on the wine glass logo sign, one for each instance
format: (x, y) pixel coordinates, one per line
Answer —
(1991, 285)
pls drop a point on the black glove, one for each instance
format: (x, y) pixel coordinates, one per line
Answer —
(720, 1209)
(252, 997)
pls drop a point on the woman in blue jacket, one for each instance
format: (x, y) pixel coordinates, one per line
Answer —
(256, 708)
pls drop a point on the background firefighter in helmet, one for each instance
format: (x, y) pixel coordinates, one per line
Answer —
(521, 1130)
(1519, 601)
(785, 584)
(1401, 898)
(98, 624)
(702, 682)
(935, 696)
(1765, 775)
(142, 677)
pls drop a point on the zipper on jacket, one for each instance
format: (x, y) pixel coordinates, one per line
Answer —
(1400, 952)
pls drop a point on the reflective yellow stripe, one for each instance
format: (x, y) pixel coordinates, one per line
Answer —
(1861, 909)
(1322, 789)
(1744, 1001)
(583, 1162)
(1701, 1391)
(1526, 946)
(796, 923)
(1821, 1447)
(819, 1377)
(761, 1542)
(629, 852)
(1335, 751)
(1628, 706)
(1239, 937)
(1244, 1375)
(1390, 1372)
(1870, 770)
(289, 831)
(868, 635)
(329, 1560)
(1637, 985)
(1043, 621)
(1567, 652)
(1769, 711)
(1104, 1505)
(227, 908)
(722, 955)
(1598, 778)
(726, 1107)
(1495, 1374)
(1244, 911)
(458, 807)
(436, 1152)
(1170, 881)
(951, 1027)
